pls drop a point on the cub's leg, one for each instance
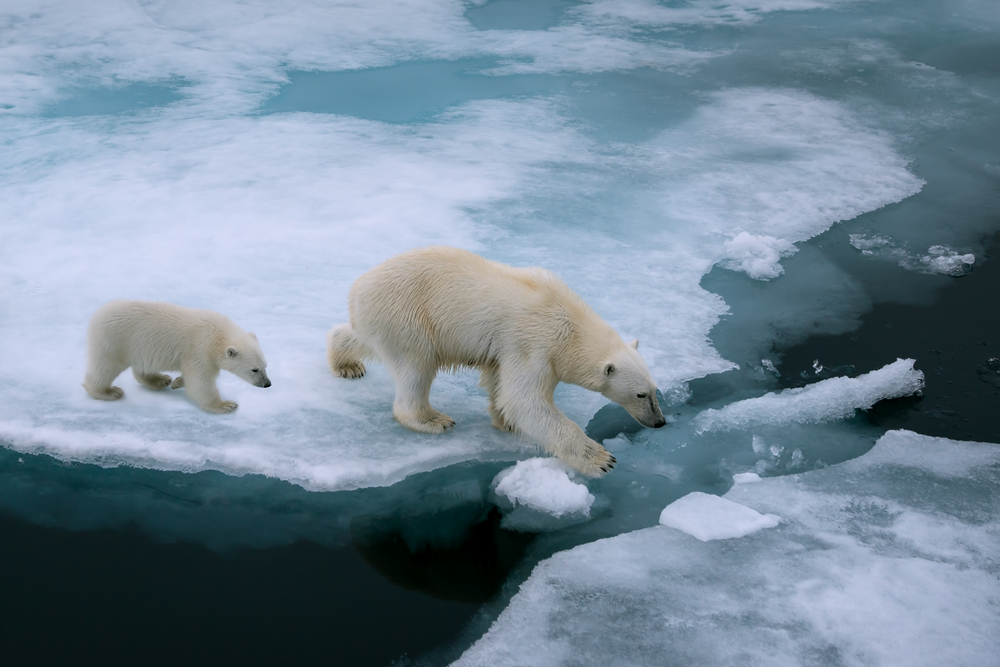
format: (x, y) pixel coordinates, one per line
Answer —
(526, 400)
(152, 380)
(100, 374)
(344, 352)
(201, 388)
(412, 407)
(178, 382)
(489, 380)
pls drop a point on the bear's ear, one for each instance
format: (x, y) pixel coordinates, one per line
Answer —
(609, 369)
(634, 344)
(232, 352)
(252, 335)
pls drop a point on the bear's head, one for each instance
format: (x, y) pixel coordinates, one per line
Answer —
(628, 383)
(244, 359)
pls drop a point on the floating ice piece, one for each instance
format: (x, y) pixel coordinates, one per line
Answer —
(533, 491)
(827, 400)
(942, 259)
(757, 256)
(939, 258)
(746, 477)
(709, 517)
(883, 560)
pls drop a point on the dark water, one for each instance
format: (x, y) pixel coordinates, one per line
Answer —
(955, 341)
(398, 587)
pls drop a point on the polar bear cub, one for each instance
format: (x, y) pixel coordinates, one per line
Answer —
(152, 336)
(524, 329)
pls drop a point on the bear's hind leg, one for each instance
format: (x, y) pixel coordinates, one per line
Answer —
(412, 407)
(155, 381)
(489, 380)
(344, 352)
(100, 375)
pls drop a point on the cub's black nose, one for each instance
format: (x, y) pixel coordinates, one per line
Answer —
(267, 383)
(660, 423)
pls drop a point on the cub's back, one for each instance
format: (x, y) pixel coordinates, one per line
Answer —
(142, 326)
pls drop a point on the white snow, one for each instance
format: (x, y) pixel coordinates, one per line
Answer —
(826, 400)
(757, 256)
(888, 559)
(541, 486)
(709, 517)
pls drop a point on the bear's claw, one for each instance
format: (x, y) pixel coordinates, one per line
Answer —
(352, 371)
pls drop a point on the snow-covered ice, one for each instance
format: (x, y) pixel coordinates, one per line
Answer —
(834, 398)
(709, 517)
(533, 492)
(887, 559)
(269, 217)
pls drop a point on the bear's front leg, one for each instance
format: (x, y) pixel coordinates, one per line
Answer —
(201, 388)
(525, 399)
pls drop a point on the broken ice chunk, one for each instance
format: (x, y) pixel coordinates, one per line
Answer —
(709, 517)
(540, 494)
(827, 400)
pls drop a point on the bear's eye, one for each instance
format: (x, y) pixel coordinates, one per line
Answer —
(641, 395)
(255, 370)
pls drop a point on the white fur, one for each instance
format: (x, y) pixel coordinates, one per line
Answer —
(152, 336)
(441, 307)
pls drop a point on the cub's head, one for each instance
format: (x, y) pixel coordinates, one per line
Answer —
(243, 358)
(628, 383)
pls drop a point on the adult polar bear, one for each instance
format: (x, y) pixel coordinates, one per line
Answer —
(441, 307)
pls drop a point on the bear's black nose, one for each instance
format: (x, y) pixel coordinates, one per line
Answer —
(659, 423)
(267, 383)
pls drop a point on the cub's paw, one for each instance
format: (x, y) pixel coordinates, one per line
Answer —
(155, 381)
(178, 382)
(109, 394)
(222, 407)
(351, 371)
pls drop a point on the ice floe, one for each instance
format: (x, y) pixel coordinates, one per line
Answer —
(888, 559)
(826, 400)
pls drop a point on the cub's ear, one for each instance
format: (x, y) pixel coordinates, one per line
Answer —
(232, 352)
(609, 369)
(634, 344)
(252, 335)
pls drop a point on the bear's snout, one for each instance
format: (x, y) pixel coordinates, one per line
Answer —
(267, 383)
(660, 423)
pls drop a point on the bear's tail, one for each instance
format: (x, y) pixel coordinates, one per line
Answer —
(345, 352)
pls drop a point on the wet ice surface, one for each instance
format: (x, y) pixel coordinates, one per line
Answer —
(671, 161)
(887, 559)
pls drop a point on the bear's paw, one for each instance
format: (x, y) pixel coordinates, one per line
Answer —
(351, 371)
